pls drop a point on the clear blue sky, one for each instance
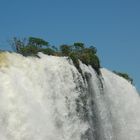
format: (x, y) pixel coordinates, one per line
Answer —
(113, 26)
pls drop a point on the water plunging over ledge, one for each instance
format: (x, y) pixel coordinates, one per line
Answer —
(46, 98)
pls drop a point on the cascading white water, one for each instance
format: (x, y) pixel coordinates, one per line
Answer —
(37, 99)
(123, 102)
(46, 98)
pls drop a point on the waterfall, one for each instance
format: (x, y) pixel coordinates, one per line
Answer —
(123, 101)
(46, 98)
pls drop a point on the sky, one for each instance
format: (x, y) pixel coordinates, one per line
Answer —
(112, 26)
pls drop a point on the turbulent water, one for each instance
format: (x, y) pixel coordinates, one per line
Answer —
(47, 98)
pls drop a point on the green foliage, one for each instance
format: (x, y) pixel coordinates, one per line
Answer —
(124, 75)
(78, 46)
(17, 43)
(74, 57)
(93, 49)
(76, 52)
(28, 46)
(38, 42)
(65, 50)
(48, 51)
(89, 57)
(28, 50)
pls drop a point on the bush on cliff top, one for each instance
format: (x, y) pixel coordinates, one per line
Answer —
(77, 51)
(125, 76)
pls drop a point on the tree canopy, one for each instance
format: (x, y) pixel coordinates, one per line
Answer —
(38, 42)
(78, 51)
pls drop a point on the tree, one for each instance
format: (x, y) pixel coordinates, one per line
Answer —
(65, 50)
(76, 52)
(124, 75)
(90, 58)
(78, 46)
(29, 51)
(48, 51)
(38, 42)
(17, 44)
(30, 46)
(93, 49)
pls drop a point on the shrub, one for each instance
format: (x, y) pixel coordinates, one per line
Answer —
(124, 75)
(38, 42)
(76, 52)
(47, 51)
(89, 57)
(65, 50)
(28, 50)
(78, 46)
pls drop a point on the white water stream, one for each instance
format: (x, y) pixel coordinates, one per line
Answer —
(46, 98)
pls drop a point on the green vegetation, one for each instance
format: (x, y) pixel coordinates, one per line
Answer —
(77, 51)
(30, 46)
(38, 42)
(124, 75)
(65, 50)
